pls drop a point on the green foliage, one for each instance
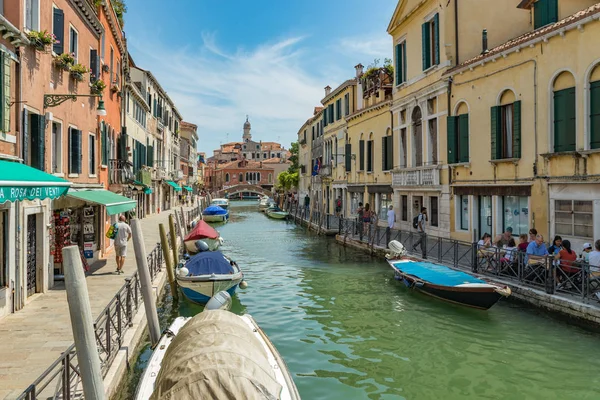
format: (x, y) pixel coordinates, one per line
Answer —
(374, 68)
(293, 158)
(98, 86)
(120, 9)
(288, 180)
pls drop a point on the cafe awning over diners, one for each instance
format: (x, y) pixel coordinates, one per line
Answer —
(22, 182)
(114, 203)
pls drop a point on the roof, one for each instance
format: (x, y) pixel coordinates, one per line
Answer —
(538, 33)
(189, 125)
(276, 160)
(337, 90)
(248, 165)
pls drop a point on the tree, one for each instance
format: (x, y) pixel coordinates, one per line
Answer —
(294, 158)
(120, 9)
(288, 180)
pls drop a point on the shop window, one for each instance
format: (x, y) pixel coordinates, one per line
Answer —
(434, 210)
(463, 212)
(574, 218)
(515, 214)
(384, 202)
(404, 201)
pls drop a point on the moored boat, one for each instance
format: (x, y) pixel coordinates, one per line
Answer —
(206, 233)
(446, 283)
(276, 213)
(215, 214)
(223, 203)
(205, 274)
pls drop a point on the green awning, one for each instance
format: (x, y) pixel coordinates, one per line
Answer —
(189, 189)
(22, 182)
(137, 183)
(147, 190)
(173, 185)
(114, 203)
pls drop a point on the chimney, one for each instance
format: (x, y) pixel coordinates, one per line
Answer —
(484, 42)
(359, 70)
(327, 90)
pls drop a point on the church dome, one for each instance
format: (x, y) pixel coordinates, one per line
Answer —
(247, 124)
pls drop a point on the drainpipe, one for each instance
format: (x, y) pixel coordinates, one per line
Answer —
(456, 31)
(18, 207)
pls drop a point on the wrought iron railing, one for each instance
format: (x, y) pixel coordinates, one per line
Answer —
(62, 379)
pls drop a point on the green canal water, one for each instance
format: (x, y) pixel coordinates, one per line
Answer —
(348, 330)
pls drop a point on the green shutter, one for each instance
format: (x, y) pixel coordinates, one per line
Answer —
(398, 62)
(425, 42)
(436, 21)
(348, 157)
(4, 92)
(451, 138)
(517, 129)
(495, 132)
(552, 11)
(463, 138)
(35, 141)
(103, 145)
(564, 120)
(78, 151)
(369, 156)
(595, 115)
(384, 153)
(26, 136)
(404, 55)
(390, 152)
(545, 12)
(361, 155)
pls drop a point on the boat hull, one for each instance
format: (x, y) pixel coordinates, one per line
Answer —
(213, 244)
(216, 218)
(277, 215)
(201, 291)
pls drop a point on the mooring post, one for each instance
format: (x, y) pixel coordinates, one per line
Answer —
(164, 243)
(145, 282)
(174, 241)
(82, 324)
(184, 220)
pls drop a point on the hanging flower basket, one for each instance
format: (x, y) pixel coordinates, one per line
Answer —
(114, 88)
(77, 72)
(105, 68)
(64, 61)
(40, 40)
(97, 87)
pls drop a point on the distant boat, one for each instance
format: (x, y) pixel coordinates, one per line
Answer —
(215, 214)
(206, 233)
(207, 273)
(220, 353)
(265, 202)
(277, 213)
(223, 203)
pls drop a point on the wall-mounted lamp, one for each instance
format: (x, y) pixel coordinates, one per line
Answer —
(53, 100)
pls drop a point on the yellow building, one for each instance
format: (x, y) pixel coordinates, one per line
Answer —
(308, 135)
(524, 127)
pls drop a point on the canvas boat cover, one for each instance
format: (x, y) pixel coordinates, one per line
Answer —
(436, 274)
(209, 262)
(216, 356)
(202, 230)
(214, 210)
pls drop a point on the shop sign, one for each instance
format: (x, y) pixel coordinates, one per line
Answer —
(18, 193)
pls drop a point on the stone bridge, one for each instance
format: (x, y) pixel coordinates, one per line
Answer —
(232, 190)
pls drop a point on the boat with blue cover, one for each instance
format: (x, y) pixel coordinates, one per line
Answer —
(215, 214)
(207, 273)
(446, 283)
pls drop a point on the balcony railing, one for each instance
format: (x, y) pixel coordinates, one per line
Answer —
(120, 171)
(325, 170)
(160, 125)
(422, 176)
(177, 175)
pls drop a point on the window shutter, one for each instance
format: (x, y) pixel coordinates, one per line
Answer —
(41, 147)
(463, 138)
(369, 156)
(495, 131)
(564, 120)
(70, 139)
(398, 64)
(25, 136)
(552, 11)
(404, 69)
(4, 92)
(436, 20)
(595, 115)
(325, 116)
(348, 157)
(384, 153)
(59, 31)
(35, 141)
(451, 138)
(425, 46)
(361, 155)
(94, 65)
(330, 113)
(103, 144)
(390, 152)
(517, 129)
(79, 151)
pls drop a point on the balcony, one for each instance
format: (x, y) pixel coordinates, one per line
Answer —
(144, 175)
(325, 171)
(428, 176)
(160, 125)
(120, 172)
(177, 175)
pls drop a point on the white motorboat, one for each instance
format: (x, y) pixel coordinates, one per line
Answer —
(223, 203)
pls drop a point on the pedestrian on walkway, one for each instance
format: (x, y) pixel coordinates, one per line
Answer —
(391, 219)
(338, 206)
(421, 220)
(121, 239)
(306, 202)
(360, 211)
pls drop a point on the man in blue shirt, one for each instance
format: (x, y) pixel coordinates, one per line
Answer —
(537, 250)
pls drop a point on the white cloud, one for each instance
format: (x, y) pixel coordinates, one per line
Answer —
(375, 46)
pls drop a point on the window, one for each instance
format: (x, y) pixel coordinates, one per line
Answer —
(34, 139)
(595, 112)
(361, 155)
(94, 65)
(384, 202)
(458, 139)
(417, 142)
(56, 147)
(403, 160)
(347, 104)
(111, 65)
(506, 131)
(5, 81)
(370, 156)
(515, 214)
(400, 66)
(330, 114)
(545, 12)
(75, 153)
(348, 156)
(313, 133)
(404, 206)
(92, 154)
(73, 38)
(32, 15)
(58, 29)
(431, 42)
(227, 177)
(434, 208)
(463, 212)
(387, 150)
(278, 155)
(270, 178)
(102, 45)
(241, 177)
(432, 145)
(565, 129)
(574, 218)
(338, 109)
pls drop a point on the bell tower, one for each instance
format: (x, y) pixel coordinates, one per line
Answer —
(247, 136)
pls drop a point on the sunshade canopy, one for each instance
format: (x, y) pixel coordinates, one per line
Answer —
(22, 182)
(214, 210)
(209, 262)
(173, 185)
(189, 189)
(202, 230)
(147, 190)
(114, 203)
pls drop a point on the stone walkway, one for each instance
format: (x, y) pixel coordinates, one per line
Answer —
(33, 338)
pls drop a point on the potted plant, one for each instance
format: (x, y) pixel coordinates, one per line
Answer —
(114, 88)
(105, 68)
(77, 71)
(98, 86)
(40, 39)
(64, 61)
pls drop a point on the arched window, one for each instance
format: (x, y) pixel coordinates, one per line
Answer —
(258, 176)
(595, 108)
(241, 177)
(227, 177)
(417, 127)
(565, 121)
(270, 178)
(247, 177)
(506, 127)
(458, 135)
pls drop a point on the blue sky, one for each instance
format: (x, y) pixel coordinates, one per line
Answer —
(270, 59)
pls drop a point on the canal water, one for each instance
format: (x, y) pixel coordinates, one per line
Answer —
(348, 330)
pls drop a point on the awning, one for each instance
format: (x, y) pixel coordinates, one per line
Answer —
(22, 182)
(147, 190)
(173, 185)
(114, 203)
(189, 189)
(356, 189)
(379, 189)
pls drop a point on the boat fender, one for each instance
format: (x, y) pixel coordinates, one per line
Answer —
(183, 271)
(243, 285)
(220, 301)
(221, 240)
(419, 284)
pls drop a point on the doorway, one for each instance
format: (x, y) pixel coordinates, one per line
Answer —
(485, 215)
(32, 286)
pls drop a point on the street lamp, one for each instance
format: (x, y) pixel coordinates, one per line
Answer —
(53, 100)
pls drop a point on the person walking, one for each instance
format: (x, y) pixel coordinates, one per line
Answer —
(360, 212)
(338, 206)
(391, 219)
(421, 220)
(121, 239)
(306, 203)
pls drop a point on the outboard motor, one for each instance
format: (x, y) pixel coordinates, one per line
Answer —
(201, 246)
(220, 301)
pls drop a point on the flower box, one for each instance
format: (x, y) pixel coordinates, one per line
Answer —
(41, 39)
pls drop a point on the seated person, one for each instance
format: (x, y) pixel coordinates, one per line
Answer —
(502, 240)
(486, 240)
(523, 243)
(536, 250)
(567, 257)
(511, 252)
(585, 254)
(556, 245)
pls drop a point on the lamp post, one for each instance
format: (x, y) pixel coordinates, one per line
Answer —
(53, 100)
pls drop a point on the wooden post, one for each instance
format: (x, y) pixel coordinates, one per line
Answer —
(180, 223)
(82, 324)
(145, 282)
(184, 219)
(174, 241)
(164, 243)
